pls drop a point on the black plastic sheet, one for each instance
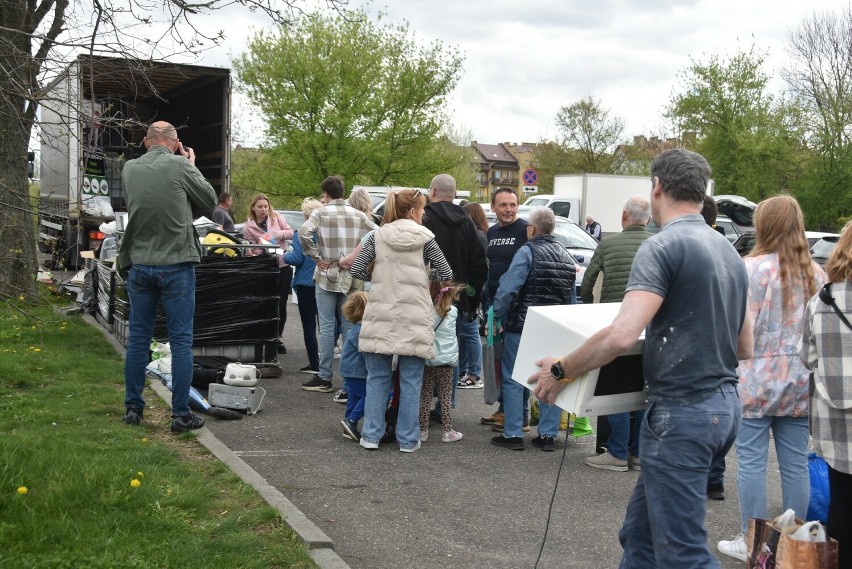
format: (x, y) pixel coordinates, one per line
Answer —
(236, 302)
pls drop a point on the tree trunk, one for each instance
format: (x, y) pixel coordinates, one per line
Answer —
(18, 263)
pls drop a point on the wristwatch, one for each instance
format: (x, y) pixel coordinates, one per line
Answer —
(556, 371)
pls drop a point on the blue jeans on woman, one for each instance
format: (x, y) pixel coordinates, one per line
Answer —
(791, 447)
(379, 381)
(664, 523)
(147, 285)
(306, 295)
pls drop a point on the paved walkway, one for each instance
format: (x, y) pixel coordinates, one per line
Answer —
(450, 505)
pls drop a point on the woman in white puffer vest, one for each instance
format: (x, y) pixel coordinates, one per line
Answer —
(398, 317)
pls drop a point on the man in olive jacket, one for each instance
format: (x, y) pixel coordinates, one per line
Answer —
(613, 260)
(164, 192)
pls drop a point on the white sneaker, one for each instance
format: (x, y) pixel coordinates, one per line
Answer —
(735, 548)
(451, 436)
(367, 444)
(424, 434)
(414, 448)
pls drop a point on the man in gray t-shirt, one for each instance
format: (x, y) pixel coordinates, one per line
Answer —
(687, 290)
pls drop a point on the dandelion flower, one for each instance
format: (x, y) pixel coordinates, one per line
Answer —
(32, 327)
(23, 490)
(144, 439)
(140, 475)
(21, 298)
(37, 349)
(135, 483)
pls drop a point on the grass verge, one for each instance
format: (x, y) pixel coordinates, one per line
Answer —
(78, 488)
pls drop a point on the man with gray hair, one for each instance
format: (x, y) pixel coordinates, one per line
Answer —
(612, 262)
(456, 236)
(542, 273)
(688, 291)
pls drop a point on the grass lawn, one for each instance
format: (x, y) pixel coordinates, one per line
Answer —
(78, 488)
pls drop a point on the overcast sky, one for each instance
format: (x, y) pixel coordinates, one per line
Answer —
(524, 59)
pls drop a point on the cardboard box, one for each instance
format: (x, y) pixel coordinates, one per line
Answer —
(557, 331)
(248, 399)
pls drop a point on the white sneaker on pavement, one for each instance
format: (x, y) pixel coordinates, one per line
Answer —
(735, 548)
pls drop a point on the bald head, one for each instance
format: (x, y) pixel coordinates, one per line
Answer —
(443, 188)
(161, 131)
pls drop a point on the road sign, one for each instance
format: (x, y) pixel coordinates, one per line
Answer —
(530, 177)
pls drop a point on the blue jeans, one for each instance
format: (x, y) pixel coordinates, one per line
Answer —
(619, 437)
(664, 523)
(306, 295)
(791, 446)
(470, 346)
(328, 309)
(548, 419)
(147, 285)
(515, 396)
(356, 388)
(379, 381)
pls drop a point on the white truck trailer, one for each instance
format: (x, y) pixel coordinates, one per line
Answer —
(600, 195)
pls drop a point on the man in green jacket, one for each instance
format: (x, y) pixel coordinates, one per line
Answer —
(613, 260)
(164, 193)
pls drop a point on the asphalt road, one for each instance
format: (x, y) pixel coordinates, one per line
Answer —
(450, 505)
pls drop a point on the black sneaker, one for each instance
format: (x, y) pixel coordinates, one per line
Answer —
(341, 397)
(132, 416)
(317, 384)
(350, 430)
(544, 442)
(716, 491)
(309, 369)
(281, 348)
(186, 423)
(512, 443)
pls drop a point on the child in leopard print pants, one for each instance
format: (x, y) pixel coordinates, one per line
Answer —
(439, 370)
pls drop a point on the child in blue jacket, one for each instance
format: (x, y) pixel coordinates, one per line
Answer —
(352, 366)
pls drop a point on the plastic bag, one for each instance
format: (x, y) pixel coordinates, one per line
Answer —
(820, 497)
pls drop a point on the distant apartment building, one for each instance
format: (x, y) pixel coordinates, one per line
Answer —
(501, 165)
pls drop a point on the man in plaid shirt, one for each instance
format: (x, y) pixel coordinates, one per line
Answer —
(331, 232)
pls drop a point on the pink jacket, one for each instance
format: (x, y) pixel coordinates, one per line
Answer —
(278, 230)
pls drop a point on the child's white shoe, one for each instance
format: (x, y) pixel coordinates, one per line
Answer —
(449, 436)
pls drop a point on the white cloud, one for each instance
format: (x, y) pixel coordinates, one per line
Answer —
(526, 59)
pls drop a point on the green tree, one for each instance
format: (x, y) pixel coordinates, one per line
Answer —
(752, 142)
(38, 38)
(344, 95)
(589, 129)
(820, 76)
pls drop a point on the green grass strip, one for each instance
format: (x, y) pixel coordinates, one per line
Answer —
(78, 488)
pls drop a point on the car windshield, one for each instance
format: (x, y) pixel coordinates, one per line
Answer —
(573, 236)
(294, 218)
(536, 202)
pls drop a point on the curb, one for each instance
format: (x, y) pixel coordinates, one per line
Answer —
(320, 546)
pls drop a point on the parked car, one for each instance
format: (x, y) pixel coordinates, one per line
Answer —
(294, 218)
(580, 245)
(823, 248)
(738, 210)
(814, 236)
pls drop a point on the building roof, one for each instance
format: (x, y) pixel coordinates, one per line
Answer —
(495, 153)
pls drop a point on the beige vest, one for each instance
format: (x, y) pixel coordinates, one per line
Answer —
(398, 317)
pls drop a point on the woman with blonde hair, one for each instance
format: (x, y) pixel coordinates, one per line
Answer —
(264, 224)
(360, 199)
(398, 317)
(826, 349)
(773, 384)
